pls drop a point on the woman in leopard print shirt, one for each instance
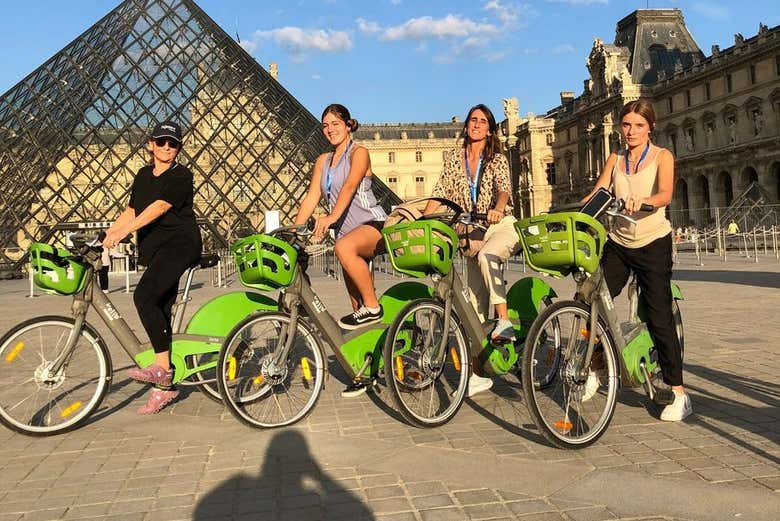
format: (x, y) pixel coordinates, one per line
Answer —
(476, 177)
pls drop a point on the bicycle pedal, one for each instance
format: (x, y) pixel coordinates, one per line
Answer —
(663, 396)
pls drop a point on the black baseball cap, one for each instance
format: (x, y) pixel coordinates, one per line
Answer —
(169, 129)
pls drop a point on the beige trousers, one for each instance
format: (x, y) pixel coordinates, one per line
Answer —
(484, 275)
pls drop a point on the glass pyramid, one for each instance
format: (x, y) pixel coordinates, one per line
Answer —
(73, 133)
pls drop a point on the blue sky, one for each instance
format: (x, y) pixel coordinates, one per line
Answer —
(400, 60)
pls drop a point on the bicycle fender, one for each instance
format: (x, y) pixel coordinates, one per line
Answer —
(218, 316)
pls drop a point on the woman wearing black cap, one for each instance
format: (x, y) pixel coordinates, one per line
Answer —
(169, 242)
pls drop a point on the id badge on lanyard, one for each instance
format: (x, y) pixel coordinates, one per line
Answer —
(473, 185)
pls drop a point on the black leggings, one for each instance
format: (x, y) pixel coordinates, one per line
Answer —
(156, 292)
(653, 266)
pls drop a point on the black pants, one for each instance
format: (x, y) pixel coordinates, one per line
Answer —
(156, 292)
(103, 278)
(653, 266)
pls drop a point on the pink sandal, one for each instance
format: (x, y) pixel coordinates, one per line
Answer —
(158, 399)
(154, 374)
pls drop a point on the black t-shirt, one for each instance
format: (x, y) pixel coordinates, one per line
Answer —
(175, 228)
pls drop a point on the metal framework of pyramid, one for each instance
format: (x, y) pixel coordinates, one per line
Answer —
(73, 133)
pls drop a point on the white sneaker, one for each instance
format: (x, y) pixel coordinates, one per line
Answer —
(592, 385)
(679, 409)
(477, 384)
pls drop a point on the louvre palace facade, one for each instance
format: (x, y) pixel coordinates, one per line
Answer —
(718, 114)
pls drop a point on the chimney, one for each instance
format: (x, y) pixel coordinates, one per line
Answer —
(273, 69)
(567, 96)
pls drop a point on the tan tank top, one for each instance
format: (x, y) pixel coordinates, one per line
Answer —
(649, 226)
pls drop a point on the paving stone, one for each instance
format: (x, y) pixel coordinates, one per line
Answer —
(475, 497)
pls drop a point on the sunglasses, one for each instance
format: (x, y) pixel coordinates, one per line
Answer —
(161, 141)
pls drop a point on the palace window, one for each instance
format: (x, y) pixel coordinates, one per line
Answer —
(549, 139)
(419, 183)
(670, 104)
(729, 83)
(731, 125)
(392, 182)
(758, 121)
(568, 134)
(673, 142)
(690, 145)
(709, 134)
(777, 64)
(752, 74)
(688, 98)
(550, 171)
(391, 157)
(707, 93)
(418, 156)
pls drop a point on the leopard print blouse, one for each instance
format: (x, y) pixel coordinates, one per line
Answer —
(453, 185)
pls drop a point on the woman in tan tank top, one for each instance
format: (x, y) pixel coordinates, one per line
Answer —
(643, 173)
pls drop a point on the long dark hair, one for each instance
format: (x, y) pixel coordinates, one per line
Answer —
(341, 112)
(493, 144)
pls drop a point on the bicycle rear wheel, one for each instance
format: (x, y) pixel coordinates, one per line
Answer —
(37, 403)
(570, 410)
(258, 391)
(211, 390)
(427, 390)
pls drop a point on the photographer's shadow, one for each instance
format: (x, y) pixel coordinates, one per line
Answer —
(291, 486)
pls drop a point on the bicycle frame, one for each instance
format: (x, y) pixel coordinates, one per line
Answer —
(300, 294)
(186, 344)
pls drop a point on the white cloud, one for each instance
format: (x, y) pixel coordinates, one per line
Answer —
(510, 14)
(396, 2)
(563, 48)
(579, 2)
(249, 46)
(299, 42)
(316, 77)
(711, 11)
(451, 26)
(368, 27)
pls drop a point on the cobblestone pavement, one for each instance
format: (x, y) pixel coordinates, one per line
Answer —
(354, 458)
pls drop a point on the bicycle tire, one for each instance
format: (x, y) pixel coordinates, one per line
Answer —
(560, 410)
(417, 374)
(24, 352)
(678, 326)
(210, 390)
(251, 371)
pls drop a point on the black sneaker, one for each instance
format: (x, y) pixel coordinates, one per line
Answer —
(361, 317)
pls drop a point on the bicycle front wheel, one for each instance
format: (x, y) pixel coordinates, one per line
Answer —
(573, 408)
(260, 390)
(38, 402)
(427, 386)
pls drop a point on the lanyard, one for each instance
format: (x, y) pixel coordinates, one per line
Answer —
(329, 175)
(473, 185)
(641, 158)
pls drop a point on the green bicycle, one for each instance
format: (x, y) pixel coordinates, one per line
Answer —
(434, 339)
(272, 365)
(597, 352)
(56, 370)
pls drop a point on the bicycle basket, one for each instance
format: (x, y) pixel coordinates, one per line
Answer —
(264, 262)
(55, 270)
(559, 243)
(418, 248)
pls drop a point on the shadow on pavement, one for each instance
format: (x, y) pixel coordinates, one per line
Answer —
(763, 279)
(707, 405)
(291, 485)
(509, 401)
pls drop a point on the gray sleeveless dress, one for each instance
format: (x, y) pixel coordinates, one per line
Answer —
(363, 208)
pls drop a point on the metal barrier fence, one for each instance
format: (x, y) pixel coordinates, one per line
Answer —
(760, 242)
(223, 274)
(747, 217)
